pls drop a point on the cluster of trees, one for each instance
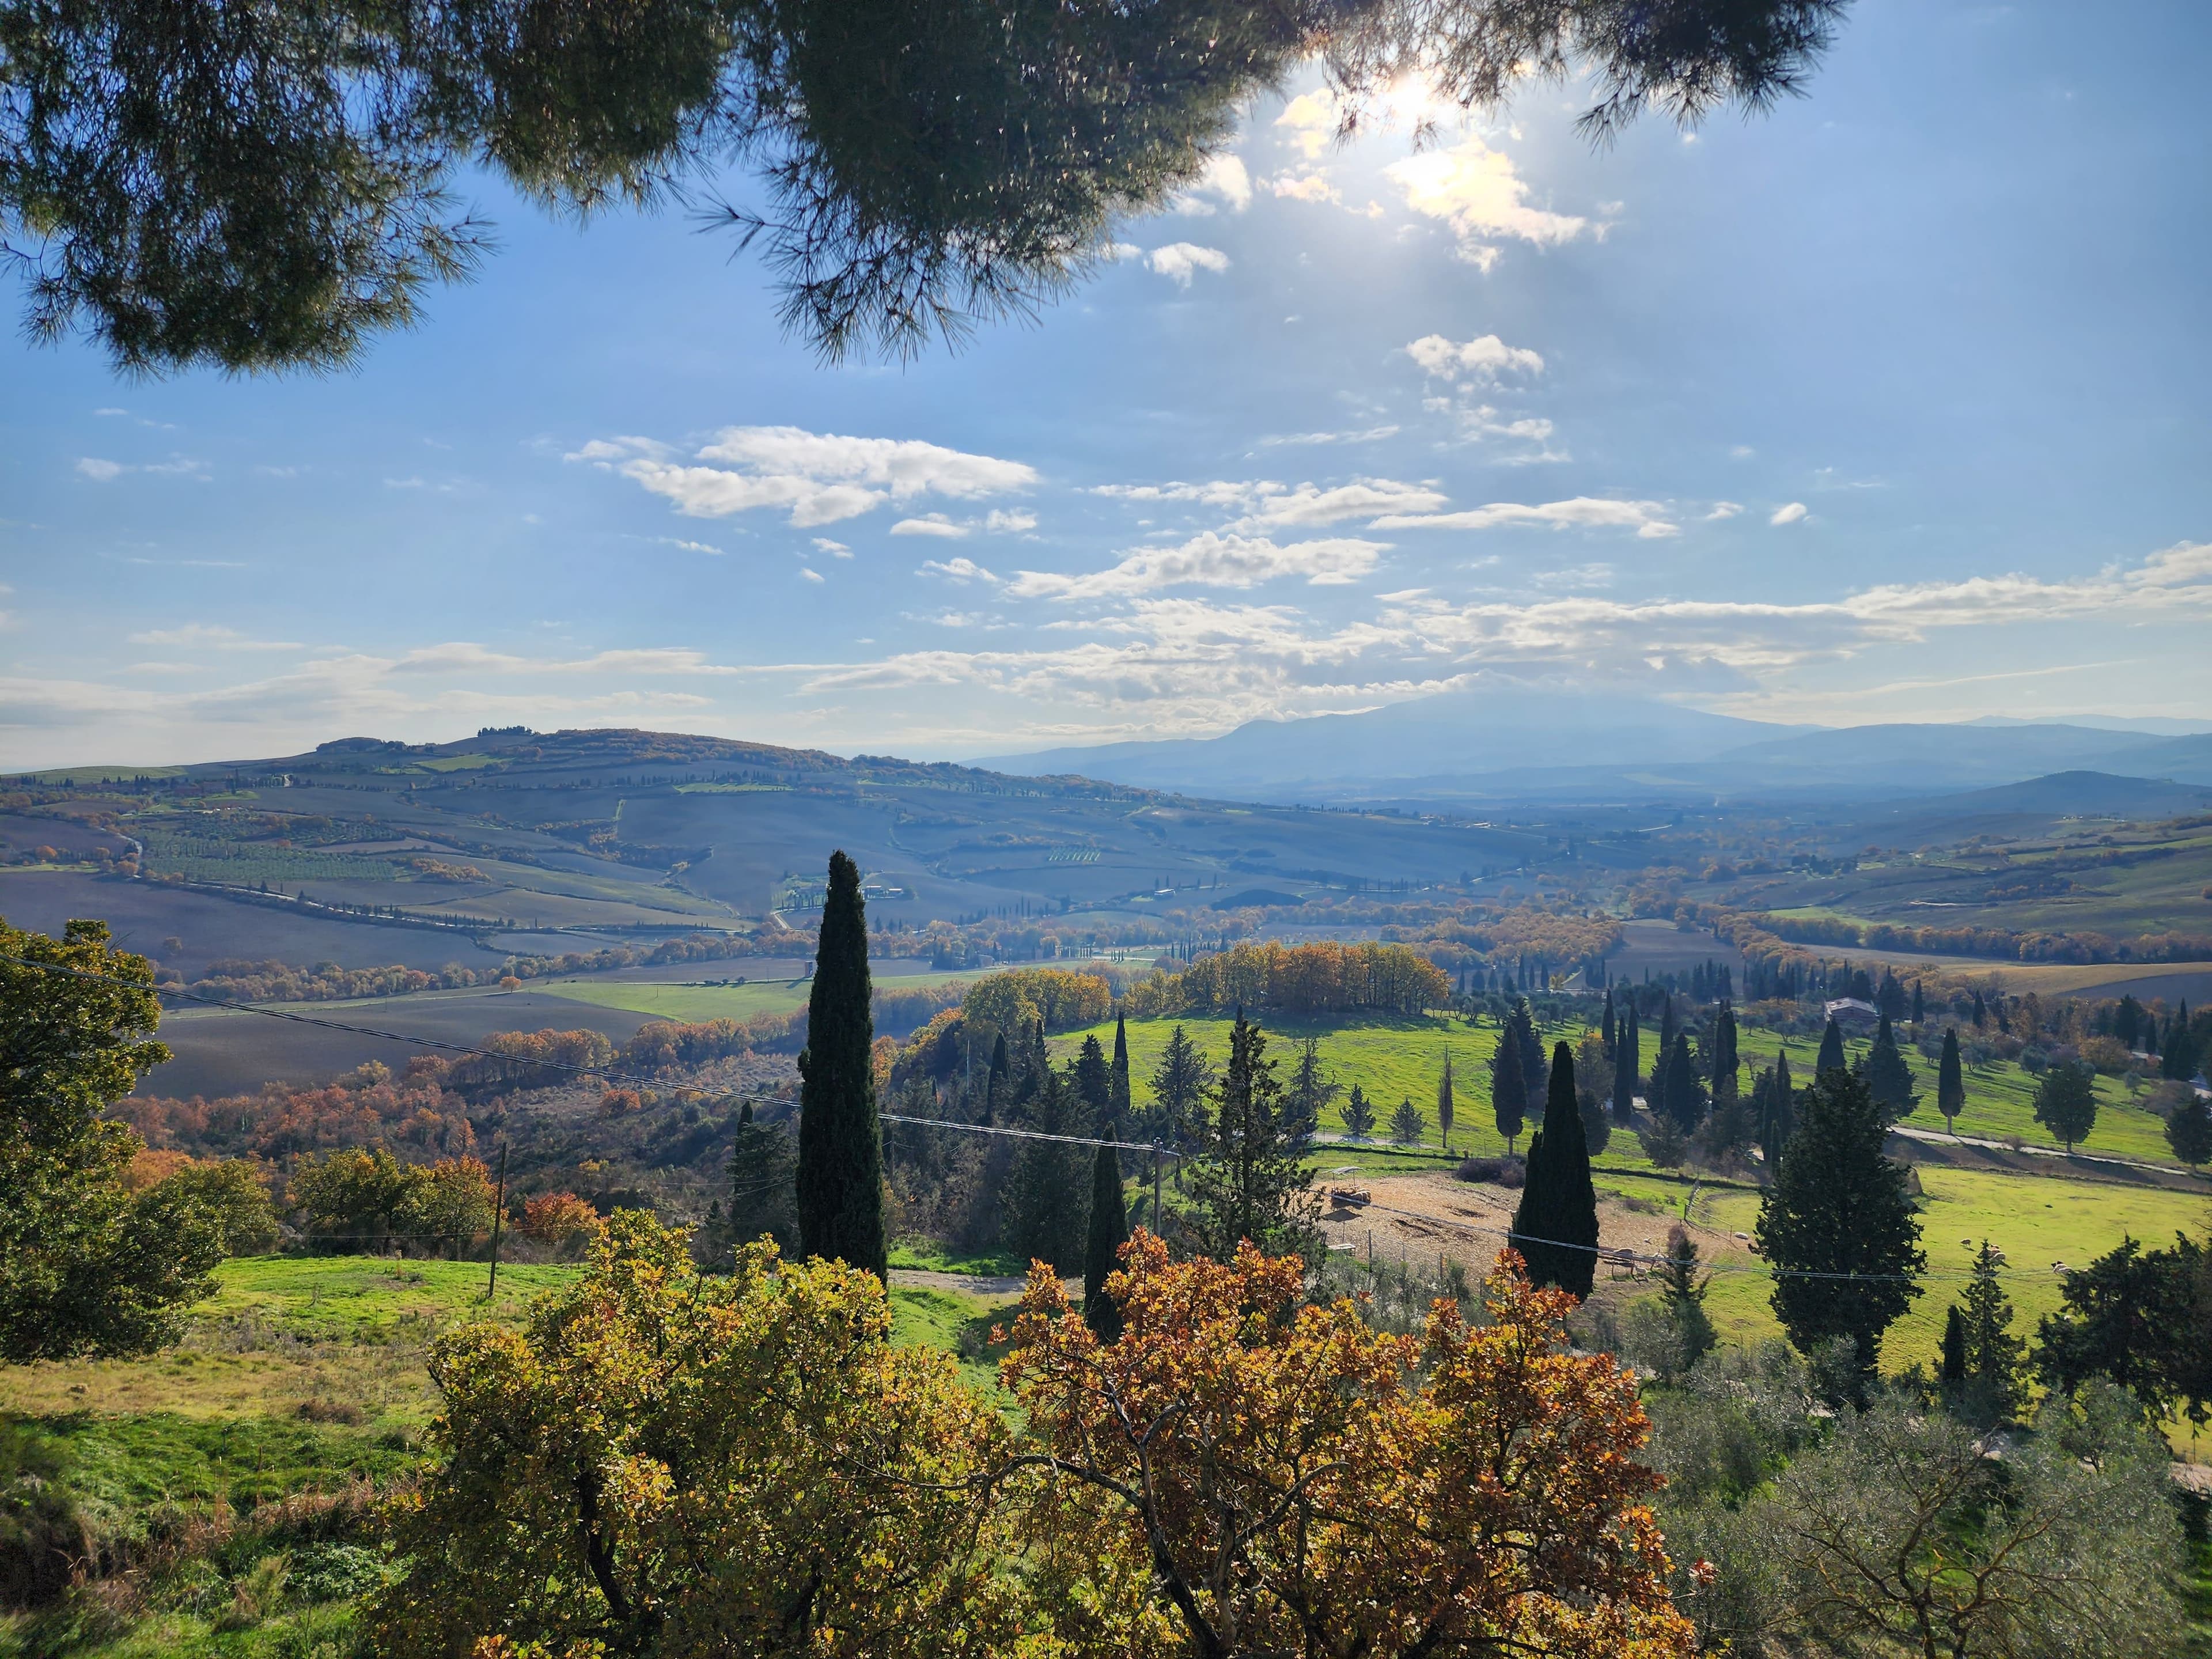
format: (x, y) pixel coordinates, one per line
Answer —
(1298, 981)
(1233, 1471)
(366, 1201)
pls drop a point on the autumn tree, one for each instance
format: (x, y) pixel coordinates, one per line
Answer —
(840, 1146)
(662, 1461)
(87, 1267)
(1250, 1185)
(1838, 1224)
(1245, 1473)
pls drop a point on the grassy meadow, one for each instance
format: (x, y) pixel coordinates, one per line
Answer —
(696, 1003)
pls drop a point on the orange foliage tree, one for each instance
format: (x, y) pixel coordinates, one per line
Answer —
(1289, 1481)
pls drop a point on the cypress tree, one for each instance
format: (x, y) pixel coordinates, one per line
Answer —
(1993, 1354)
(1045, 1204)
(1682, 1293)
(1685, 1096)
(1124, 1112)
(1838, 1206)
(1109, 1230)
(1606, 1032)
(1950, 1081)
(1954, 1353)
(1094, 1087)
(841, 1151)
(1507, 1096)
(2179, 1062)
(1779, 1119)
(1727, 1062)
(1444, 1101)
(1627, 1066)
(1832, 1052)
(1559, 1204)
(1919, 1004)
(1888, 1078)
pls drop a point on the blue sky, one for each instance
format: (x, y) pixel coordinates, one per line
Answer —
(1889, 404)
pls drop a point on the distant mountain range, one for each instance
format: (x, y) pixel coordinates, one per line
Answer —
(1523, 742)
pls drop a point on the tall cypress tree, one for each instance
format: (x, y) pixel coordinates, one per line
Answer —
(1606, 1032)
(1838, 1224)
(1627, 1064)
(1777, 1116)
(1124, 1112)
(1684, 1095)
(1558, 1211)
(1832, 1052)
(1950, 1081)
(841, 1149)
(1954, 1352)
(1888, 1078)
(1507, 1096)
(1444, 1101)
(1727, 1062)
(1109, 1230)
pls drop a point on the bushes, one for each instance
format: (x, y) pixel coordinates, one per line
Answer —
(352, 1203)
(1298, 981)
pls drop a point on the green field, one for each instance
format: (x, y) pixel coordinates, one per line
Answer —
(696, 1003)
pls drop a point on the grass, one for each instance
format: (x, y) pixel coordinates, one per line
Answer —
(2000, 1100)
(697, 1003)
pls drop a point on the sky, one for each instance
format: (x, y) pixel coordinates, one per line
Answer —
(1888, 404)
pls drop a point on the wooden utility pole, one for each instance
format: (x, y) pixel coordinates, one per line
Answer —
(498, 1215)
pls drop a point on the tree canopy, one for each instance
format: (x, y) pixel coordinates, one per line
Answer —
(271, 186)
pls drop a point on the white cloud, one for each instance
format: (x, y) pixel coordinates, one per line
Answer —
(1474, 189)
(812, 574)
(1725, 510)
(1309, 506)
(1790, 514)
(1577, 576)
(1312, 120)
(1219, 492)
(1647, 518)
(100, 471)
(1223, 183)
(961, 570)
(1313, 187)
(1360, 435)
(1015, 523)
(932, 523)
(819, 478)
(211, 636)
(1209, 559)
(1179, 261)
(835, 549)
(1484, 358)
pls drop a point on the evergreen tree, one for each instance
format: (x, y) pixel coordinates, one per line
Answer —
(2188, 1131)
(1781, 1110)
(2066, 1103)
(998, 1080)
(1309, 1095)
(1359, 1115)
(1045, 1207)
(1124, 1108)
(763, 1197)
(1889, 1079)
(1508, 1098)
(1408, 1124)
(1950, 1081)
(2179, 1063)
(1627, 1066)
(1520, 1030)
(1250, 1185)
(1179, 1084)
(1444, 1101)
(1919, 1004)
(1682, 1293)
(1981, 1012)
(1109, 1230)
(1555, 1227)
(1093, 1081)
(1597, 1123)
(1838, 1206)
(1954, 1353)
(1684, 1095)
(1831, 1057)
(1993, 1354)
(841, 1152)
(1726, 1064)
(1606, 1031)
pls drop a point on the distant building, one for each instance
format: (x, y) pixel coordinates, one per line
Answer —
(1852, 1015)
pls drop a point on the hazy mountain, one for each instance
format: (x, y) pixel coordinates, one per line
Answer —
(2155, 724)
(1506, 742)
(1456, 735)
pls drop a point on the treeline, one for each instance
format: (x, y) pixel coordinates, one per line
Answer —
(2004, 943)
(1298, 980)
